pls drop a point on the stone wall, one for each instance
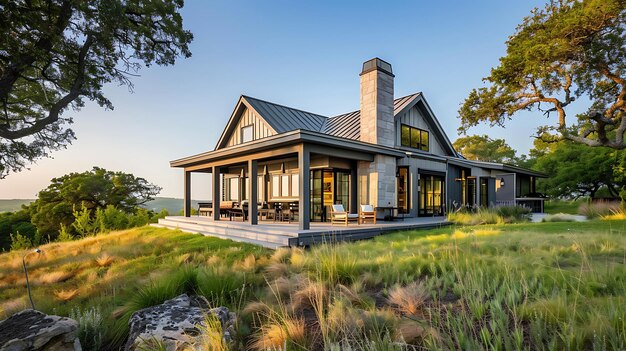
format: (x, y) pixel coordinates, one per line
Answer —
(377, 181)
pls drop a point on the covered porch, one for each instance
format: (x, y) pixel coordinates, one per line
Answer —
(293, 178)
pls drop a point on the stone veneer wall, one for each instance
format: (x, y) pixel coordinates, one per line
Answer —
(377, 120)
(377, 179)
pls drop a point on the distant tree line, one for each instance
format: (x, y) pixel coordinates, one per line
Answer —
(78, 205)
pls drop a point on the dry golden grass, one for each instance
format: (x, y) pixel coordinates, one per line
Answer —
(274, 336)
(104, 260)
(248, 264)
(213, 260)
(308, 294)
(66, 294)
(412, 331)
(256, 308)
(408, 299)
(486, 232)
(55, 277)
(11, 306)
(281, 254)
(277, 269)
(184, 258)
(298, 258)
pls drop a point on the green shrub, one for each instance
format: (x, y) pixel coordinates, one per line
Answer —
(559, 217)
(514, 214)
(90, 327)
(481, 216)
(20, 242)
(110, 219)
(83, 224)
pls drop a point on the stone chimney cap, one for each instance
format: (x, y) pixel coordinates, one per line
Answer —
(377, 64)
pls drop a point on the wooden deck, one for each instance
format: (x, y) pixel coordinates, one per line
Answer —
(277, 234)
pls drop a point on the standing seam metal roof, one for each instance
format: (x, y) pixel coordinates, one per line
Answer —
(284, 119)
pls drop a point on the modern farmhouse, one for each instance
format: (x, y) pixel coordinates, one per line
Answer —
(391, 155)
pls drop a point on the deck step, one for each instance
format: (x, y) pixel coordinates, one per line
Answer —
(225, 237)
(254, 236)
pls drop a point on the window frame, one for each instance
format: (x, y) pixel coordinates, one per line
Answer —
(420, 145)
(279, 188)
(242, 131)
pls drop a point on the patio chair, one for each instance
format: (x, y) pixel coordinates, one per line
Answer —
(367, 213)
(339, 215)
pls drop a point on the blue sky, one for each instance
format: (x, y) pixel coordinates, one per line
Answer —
(302, 54)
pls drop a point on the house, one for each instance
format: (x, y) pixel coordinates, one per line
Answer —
(390, 153)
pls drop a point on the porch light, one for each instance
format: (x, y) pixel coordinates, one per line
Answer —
(501, 182)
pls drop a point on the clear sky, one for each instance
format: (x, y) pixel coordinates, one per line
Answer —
(302, 54)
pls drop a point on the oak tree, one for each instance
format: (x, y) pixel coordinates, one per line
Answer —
(56, 54)
(484, 148)
(567, 51)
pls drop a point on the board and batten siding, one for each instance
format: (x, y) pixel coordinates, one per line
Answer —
(414, 118)
(248, 117)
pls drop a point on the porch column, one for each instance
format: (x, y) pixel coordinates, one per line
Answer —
(216, 193)
(354, 186)
(187, 195)
(304, 173)
(253, 196)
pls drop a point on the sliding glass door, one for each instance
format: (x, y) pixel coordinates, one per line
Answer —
(431, 195)
(328, 187)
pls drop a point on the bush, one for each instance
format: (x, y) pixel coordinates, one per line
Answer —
(599, 209)
(20, 242)
(110, 219)
(514, 214)
(559, 217)
(89, 327)
(481, 216)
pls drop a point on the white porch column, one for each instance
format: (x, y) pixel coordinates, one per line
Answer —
(304, 162)
(253, 196)
(216, 193)
(187, 194)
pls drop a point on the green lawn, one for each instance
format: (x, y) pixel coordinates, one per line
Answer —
(563, 206)
(553, 286)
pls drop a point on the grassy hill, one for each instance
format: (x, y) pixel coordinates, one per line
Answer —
(11, 205)
(521, 286)
(172, 205)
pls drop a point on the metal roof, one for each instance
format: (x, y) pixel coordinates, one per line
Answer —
(284, 119)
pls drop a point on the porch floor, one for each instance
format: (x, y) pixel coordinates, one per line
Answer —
(276, 234)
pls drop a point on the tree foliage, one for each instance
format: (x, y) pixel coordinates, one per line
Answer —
(569, 50)
(576, 170)
(67, 197)
(484, 148)
(56, 54)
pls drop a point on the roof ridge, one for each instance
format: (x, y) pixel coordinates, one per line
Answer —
(281, 105)
(394, 100)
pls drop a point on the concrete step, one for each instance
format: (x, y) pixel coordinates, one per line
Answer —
(259, 237)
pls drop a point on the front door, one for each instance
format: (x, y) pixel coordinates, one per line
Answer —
(431, 196)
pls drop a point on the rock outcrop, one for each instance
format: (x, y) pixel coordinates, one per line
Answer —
(176, 324)
(33, 330)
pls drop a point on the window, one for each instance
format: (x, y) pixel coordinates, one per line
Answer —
(275, 186)
(284, 185)
(233, 185)
(261, 191)
(414, 137)
(247, 133)
(295, 185)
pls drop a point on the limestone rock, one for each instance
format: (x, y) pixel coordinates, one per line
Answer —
(175, 323)
(34, 330)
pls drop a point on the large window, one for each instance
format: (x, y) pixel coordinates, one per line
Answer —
(285, 185)
(247, 133)
(414, 137)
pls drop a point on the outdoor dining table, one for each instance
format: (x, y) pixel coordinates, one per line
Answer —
(390, 217)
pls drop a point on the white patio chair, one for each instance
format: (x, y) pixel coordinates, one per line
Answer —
(339, 215)
(367, 212)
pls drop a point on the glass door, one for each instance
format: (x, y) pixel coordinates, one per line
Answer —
(402, 190)
(317, 208)
(431, 195)
(342, 189)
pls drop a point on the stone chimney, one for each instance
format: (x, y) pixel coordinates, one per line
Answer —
(377, 120)
(377, 179)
